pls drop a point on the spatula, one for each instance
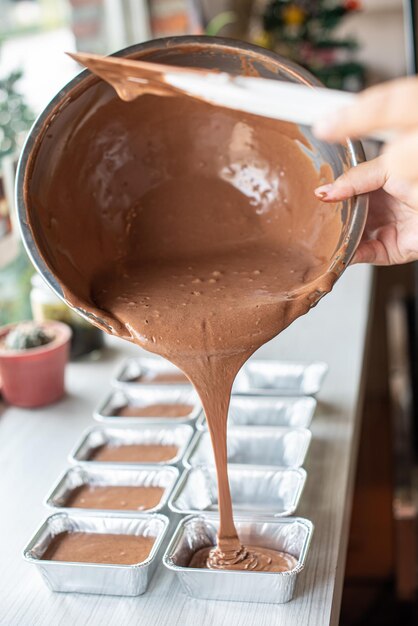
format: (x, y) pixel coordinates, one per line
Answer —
(276, 99)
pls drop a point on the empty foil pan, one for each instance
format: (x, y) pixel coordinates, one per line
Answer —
(268, 411)
(254, 490)
(280, 447)
(280, 378)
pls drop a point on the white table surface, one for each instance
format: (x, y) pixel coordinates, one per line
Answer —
(33, 452)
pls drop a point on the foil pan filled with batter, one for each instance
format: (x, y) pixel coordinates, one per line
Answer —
(99, 437)
(109, 579)
(280, 378)
(149, 371)
(182, 402)
(291, 535)
(268, 411)
(275, 447)
(254, 490)
(75, 478)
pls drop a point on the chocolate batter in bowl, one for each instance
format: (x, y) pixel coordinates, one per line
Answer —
(189, 229)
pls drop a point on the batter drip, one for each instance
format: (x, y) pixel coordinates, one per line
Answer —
(252, 558)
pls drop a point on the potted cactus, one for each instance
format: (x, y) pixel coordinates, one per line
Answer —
(32, 362)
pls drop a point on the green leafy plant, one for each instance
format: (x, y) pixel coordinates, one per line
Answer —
(15, 115)
(15, 119)
(219, 21)
(305, 32)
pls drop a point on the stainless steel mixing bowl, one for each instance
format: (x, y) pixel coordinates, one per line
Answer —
(209, 52)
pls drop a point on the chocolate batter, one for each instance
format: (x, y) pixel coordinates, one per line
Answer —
(248, 558)
(165, 378)
(159, 409)
(99, 548)
(134, 453)
(118, 497)
(197, 236)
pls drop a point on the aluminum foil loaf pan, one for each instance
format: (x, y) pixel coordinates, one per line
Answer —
(119, 580)
(292, 535)
(254, 490)
(279, 447)
(148, 371)
(96, 437)
(164, 477)
(267, 411)
(108, 411)
(280, 378)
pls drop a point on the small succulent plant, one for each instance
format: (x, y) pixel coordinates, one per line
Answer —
(25, 336)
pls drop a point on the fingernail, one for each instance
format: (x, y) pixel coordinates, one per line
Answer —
(324, 191)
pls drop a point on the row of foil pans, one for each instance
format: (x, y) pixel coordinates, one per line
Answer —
(256, 377)
(255, 490)
(291, 411)
(268, 439)
(279, 447)
(292, 535)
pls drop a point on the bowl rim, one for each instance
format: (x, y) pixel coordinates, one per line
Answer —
(354, 148)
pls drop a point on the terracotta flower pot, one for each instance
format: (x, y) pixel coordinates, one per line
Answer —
(35, 377)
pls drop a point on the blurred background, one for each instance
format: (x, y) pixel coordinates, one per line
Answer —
(349, 45)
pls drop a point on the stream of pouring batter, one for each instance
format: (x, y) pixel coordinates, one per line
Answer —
(200, 255)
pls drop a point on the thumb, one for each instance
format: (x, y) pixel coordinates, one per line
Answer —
(367, 176)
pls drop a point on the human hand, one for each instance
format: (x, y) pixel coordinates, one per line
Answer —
(391, 233)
